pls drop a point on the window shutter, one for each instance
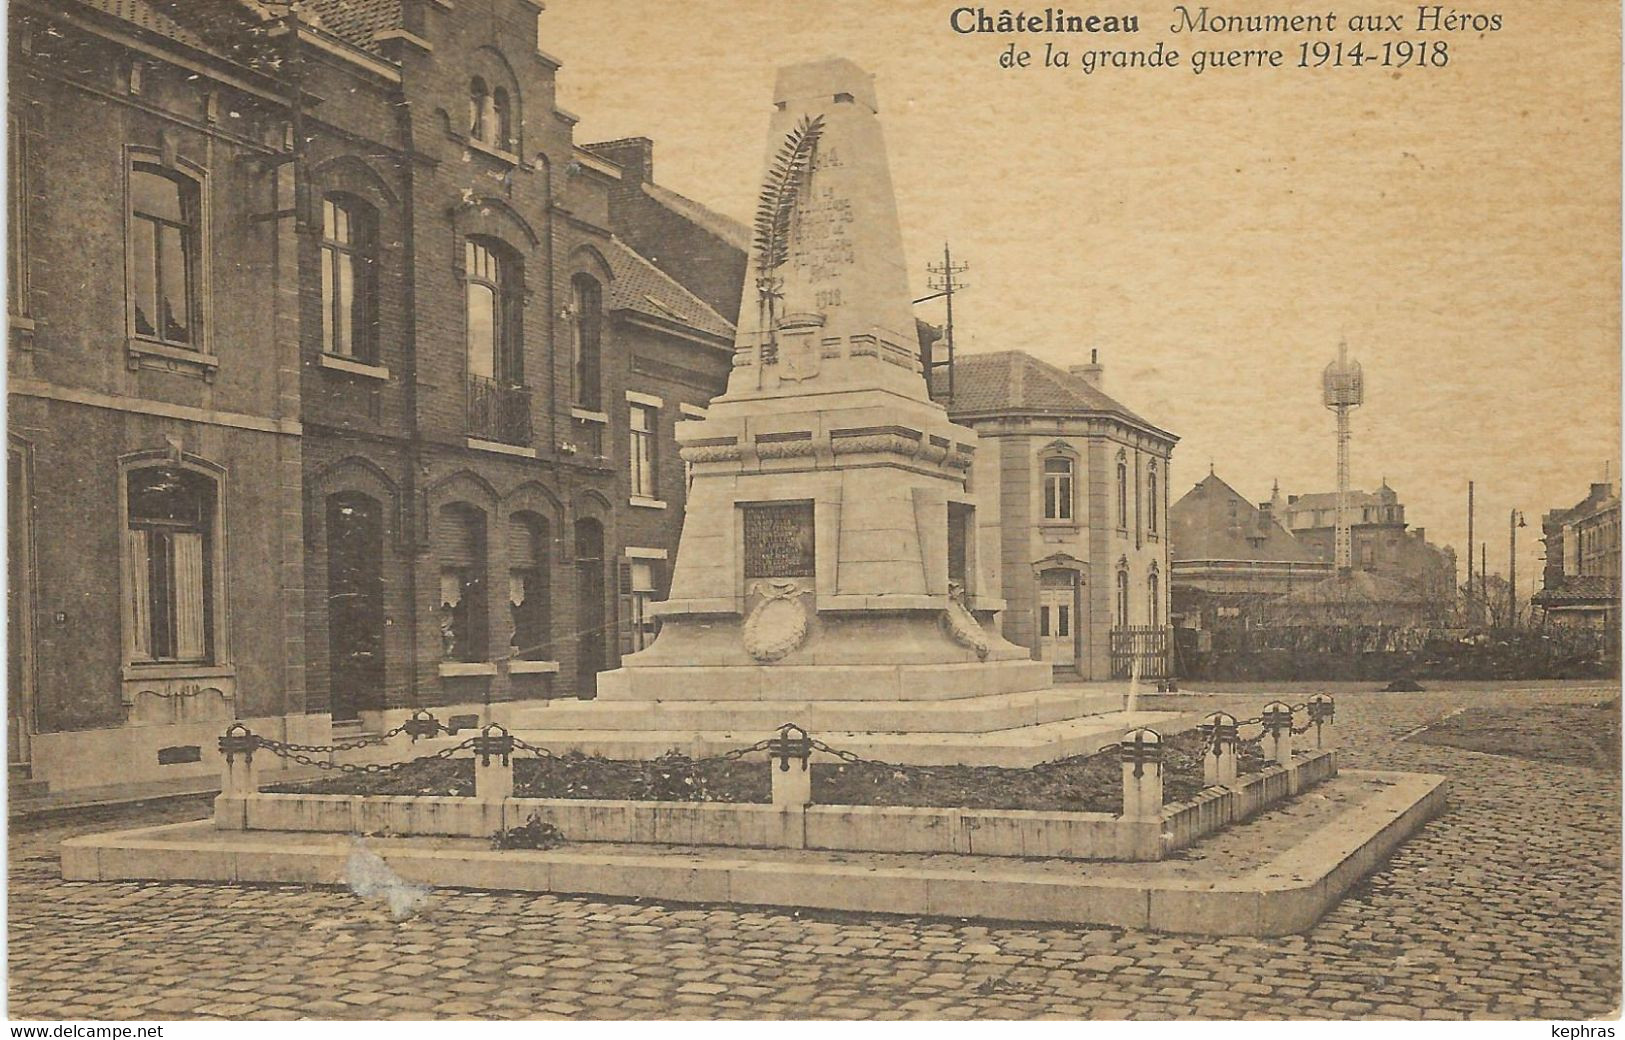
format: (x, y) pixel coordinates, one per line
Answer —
(189, 637)
(623, 614)
(137, 551)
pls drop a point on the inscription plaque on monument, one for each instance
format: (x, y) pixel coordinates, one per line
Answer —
(779, 540)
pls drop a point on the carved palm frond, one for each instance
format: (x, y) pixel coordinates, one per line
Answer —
(781, 190)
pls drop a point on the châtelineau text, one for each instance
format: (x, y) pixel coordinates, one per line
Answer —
(1429, 18)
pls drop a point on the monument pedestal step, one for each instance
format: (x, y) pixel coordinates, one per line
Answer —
(1014, 747)
(961, 715)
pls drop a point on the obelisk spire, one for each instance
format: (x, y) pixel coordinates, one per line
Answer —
(826, 301)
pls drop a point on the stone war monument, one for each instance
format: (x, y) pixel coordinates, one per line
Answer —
(831, 546)
(834, 568)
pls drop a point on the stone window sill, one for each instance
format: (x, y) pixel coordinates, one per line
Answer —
(502, 449)
(353, 367)
(533, 667)
(140, 348)
(466, 669)
(176, 670)
(1059, 525)
(502, 155)
(646, 503)
(588, 415)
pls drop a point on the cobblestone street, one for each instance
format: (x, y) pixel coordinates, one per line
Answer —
(1506, 907)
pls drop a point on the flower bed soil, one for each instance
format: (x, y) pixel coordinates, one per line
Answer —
(1084, 784)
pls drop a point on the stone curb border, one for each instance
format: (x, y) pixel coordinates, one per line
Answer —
(1284, 896)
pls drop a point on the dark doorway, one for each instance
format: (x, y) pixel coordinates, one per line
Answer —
(589, 605)
(355, 604)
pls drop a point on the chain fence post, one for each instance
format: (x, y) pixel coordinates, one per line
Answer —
(1219, 731)
(1142, 774)
(1322, 716)
(788, 755)
(493, 764)
(240, 775)
(1277, 720)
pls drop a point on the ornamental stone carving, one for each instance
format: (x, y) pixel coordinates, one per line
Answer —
(961, 625)
(779, 624)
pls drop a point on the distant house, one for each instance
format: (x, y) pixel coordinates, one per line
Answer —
(1380, 542)
(1581, 585)
(1080, 486)
(1229, 557)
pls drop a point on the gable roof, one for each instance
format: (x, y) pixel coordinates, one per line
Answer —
(726, 228)
(1015, 381)
(1213, 521)
(1580, 590)
(643, 288)
(354, 21)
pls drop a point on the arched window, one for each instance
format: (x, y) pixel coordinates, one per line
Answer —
(589, 314)
(529, 587)
(479, 104)
(169, 547)
(493, 284)
(460, 547)
(1122, 599)
(1057, 488)
(1122, 492)
(349, 278)
(1151, 499)
(501, 122)
(1153, 608)
(165, 244)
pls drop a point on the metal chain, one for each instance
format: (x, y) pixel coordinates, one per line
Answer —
(317, 749)
(734, 755)
(288, 751)
(520, 744)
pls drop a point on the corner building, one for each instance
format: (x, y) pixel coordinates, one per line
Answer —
(351, 402)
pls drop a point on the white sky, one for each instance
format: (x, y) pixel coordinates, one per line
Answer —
(1215, 236)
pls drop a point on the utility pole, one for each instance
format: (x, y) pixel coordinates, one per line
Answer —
(1514, 521)
(1483, 576)
(944, 279)
(1469, 553)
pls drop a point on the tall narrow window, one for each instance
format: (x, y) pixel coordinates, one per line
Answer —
(638, 591)
(164, 247)
(589, 308)
(17, 229)
(1151, 499)
(492, 283)
(348, 279)
(645, 423)
(1122, 494)
(529, 588)
(169, 547)
(1057, 489)
(1153, 607)
(460, 546)
(1122, 599)
(479, 102)
(501, 124)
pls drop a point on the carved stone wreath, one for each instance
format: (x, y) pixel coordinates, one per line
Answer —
(779, 624)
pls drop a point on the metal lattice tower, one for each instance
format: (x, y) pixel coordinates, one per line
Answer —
(1343, 390)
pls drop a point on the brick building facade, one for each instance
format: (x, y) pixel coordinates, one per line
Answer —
(1580, 586)
(350, 395)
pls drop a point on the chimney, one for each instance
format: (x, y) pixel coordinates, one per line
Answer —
(634, 155)
(1090, 373)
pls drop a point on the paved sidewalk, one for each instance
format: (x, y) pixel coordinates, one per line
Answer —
(1506, 907)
